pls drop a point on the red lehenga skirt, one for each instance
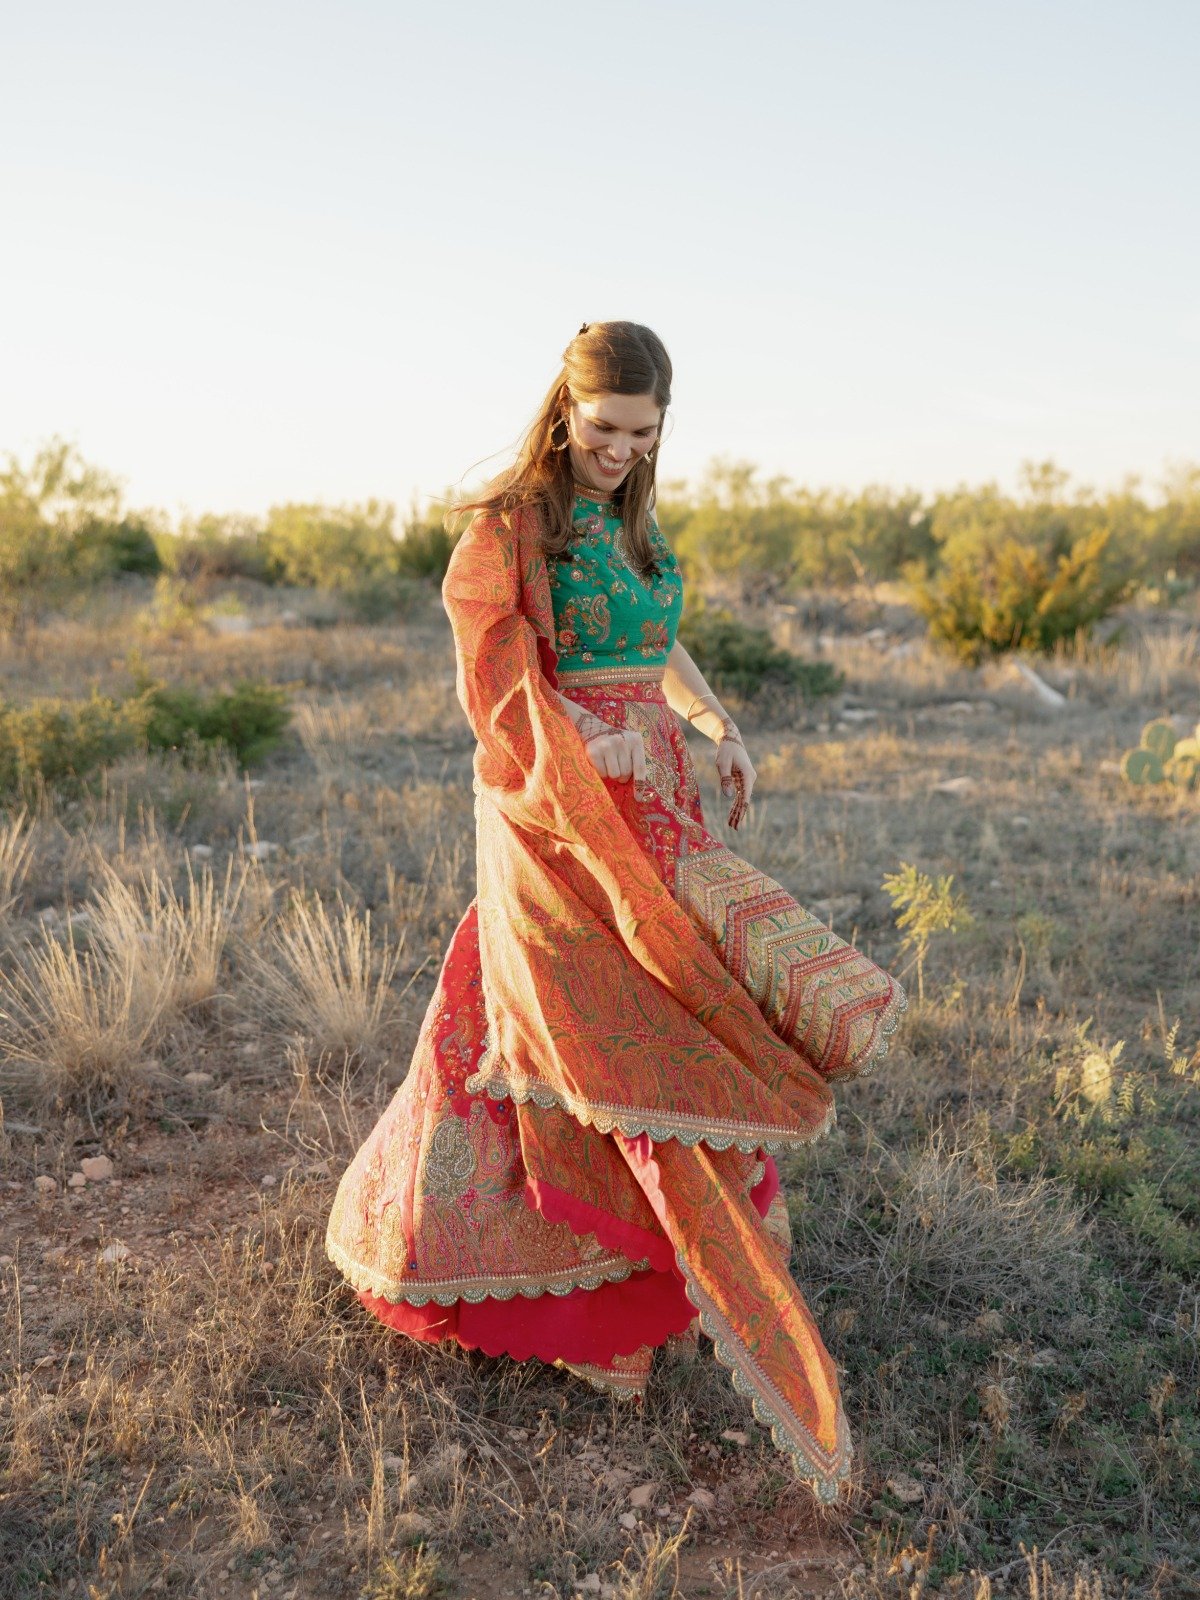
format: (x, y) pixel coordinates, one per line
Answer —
(492, 1217)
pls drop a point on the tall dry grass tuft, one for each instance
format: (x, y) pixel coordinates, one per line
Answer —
(325, 977)
(17, 843)
(183, 939)
(75, 1025)
(951, 1231)
(331, 733)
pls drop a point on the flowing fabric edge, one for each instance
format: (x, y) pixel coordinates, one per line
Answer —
(889, 1023)
(824, 1472)
(362, 1279)
(609, 1119)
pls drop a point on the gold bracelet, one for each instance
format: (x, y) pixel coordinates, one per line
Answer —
(708, 696)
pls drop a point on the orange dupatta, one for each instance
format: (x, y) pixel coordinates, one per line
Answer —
(629, 1049)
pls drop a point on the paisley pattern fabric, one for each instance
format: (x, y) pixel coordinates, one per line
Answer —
(628, 1020)
(605, 612)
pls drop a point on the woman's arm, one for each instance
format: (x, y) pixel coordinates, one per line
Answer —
(690, 697)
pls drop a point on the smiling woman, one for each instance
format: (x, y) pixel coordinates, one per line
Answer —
(630, 1019)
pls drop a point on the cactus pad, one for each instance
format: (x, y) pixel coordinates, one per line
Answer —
(1159, 739)
(1140, 766)
(1184, 770)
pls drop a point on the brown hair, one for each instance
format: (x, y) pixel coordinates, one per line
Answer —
(603, 358)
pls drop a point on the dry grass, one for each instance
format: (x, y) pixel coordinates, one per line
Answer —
(326, 977)
(999, 1239)
(17, 837)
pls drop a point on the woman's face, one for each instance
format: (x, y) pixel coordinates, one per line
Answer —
(608, 435)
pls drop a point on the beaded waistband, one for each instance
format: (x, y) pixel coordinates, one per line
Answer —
(632, 672)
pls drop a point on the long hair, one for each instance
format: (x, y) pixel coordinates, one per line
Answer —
(603, 358)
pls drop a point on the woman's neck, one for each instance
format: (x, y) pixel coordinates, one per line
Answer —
(585, 492)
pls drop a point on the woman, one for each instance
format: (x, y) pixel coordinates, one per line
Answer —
(630, 1019)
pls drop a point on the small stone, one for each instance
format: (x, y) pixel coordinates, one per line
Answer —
(96, 1169)
(199, 1080)
(1020, 822)
(201, 852)
(702, 1499)
(45, 1184)
(113, 1253)
(643, 1496)
(906, 1488)
(411, 1526)
(628, 1521)
(956, 786)
(590, 1584)
(267, 1181)
(392, 1463)
(7, 1261)
(262, 850)
(77, 1181)
(732, 1436)
(850, 714)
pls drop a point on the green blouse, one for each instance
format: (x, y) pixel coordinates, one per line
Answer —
(605, 615)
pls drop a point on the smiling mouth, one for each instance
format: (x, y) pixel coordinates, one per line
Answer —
(610, 469)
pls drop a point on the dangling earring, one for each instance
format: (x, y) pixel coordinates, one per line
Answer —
(563, 424)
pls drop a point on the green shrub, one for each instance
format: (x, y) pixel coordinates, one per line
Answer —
(329, 547)
(1013, 596)
(424, 547)
(249, 721)
(63, 742)
(732, 655)
(105, 549)
(389, 598)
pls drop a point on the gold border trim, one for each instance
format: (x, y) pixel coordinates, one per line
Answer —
(688, 1130)
(500, 1286)
(825, 1470)
(625, 674)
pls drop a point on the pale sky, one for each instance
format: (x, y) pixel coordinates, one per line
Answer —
(261, 252)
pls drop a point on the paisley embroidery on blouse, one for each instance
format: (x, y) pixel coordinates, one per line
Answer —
(605, 610)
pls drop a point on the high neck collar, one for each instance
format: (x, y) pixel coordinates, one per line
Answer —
(593, 496)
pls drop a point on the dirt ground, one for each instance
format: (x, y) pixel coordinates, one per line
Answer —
(999, 1240)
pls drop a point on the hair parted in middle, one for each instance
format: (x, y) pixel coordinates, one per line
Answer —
(603, 358)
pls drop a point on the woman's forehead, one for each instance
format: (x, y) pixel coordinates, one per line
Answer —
(630, 411)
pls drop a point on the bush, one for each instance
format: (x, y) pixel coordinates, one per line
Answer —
(732, 655)
(326, 547)
(105, 549)
(62, 742)
(249, 721)
(1012, 596)
(425, 546)
(211, 547)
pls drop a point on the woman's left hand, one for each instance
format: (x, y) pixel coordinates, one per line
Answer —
(737, 775)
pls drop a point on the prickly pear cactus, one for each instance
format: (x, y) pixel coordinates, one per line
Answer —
(1142, 767)
(1183, 769)
(1162, 758)
(1159, 738)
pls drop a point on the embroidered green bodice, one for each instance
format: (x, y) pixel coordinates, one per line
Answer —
(604, 614)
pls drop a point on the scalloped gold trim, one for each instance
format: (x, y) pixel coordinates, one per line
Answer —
(688, 1131)
(497, 1286)
(823, 1470)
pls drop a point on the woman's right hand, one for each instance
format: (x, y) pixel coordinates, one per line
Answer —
(614, 752)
